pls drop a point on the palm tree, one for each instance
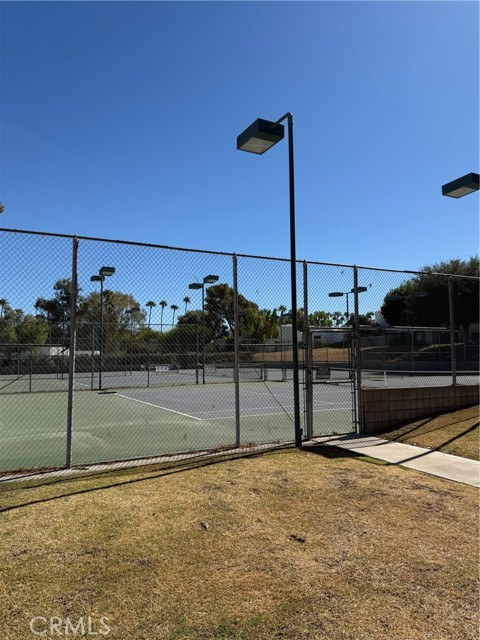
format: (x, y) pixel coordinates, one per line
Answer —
(150, 304)
(174, 308)
(163, 304)
(187, 301)
(282, 310)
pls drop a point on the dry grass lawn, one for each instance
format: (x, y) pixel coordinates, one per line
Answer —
(305, 545)
(456, 433)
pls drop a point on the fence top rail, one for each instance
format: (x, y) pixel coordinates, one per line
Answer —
(231, 254)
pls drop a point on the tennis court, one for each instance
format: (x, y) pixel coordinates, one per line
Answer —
(134, 423)
(156, 377)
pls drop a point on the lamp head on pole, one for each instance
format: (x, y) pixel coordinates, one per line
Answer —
(260, 136)
(210, 279)
(462, 186)
(359, 290)
(107, 271)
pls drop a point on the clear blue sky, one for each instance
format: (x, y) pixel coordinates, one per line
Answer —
(119, 120)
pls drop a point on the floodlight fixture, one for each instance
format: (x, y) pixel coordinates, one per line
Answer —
(96, 278)
(462, 186)
(107, 271)
(336, 294)
(195, 285)
(358, 290)
(210, 279)
(260, 136)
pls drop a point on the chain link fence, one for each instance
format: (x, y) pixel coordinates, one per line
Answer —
(117, 351)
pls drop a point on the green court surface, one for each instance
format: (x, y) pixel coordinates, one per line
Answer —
(134, 423)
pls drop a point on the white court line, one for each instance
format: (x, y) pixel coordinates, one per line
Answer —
(268, 415)
(157, 406)
(82, 383)
(287, 408)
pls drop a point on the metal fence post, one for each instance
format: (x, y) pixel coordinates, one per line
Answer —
(357, 351)
(307, 359)
(453, 351)
(236, 356)
(71, 352)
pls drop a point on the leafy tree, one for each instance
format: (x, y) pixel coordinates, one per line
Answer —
(31, 330)
(219, 314)
(433, 310)
(191, 317)
(320, 319)
(17, 329)
(271, 324)
(116, 322)
(8, 335)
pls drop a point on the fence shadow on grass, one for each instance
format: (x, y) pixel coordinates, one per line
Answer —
(112, 478)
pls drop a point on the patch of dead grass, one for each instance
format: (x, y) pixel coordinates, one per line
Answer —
(456, 433)
(386, 552)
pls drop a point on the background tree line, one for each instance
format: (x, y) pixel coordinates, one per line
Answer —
(127, 325)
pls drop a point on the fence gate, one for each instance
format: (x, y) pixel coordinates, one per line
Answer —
(331, 403)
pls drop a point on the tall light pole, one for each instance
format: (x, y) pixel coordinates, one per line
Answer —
(457, 189)
(201, 285)
(102, 274)
(258, 138)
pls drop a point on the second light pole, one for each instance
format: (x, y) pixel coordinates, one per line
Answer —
(102, 273)
(339, 294)
(201, 285)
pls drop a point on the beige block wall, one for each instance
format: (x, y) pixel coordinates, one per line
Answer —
(389, 408)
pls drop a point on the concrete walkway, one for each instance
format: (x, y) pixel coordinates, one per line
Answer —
(435, 463)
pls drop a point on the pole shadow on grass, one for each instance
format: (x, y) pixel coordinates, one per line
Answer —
(439, 448)
(333, 452)
(423, 424)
